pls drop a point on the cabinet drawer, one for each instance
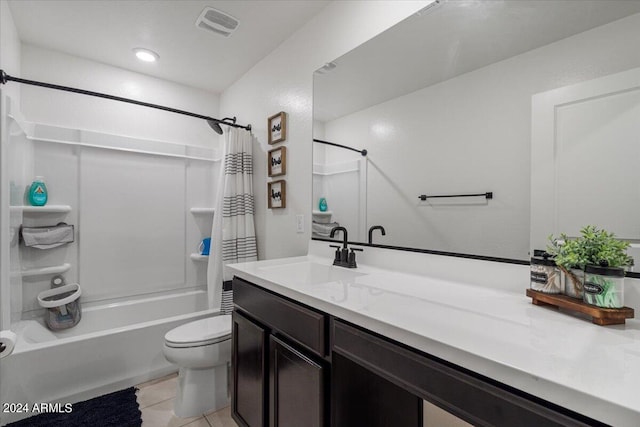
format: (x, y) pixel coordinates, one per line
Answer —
(305, 326)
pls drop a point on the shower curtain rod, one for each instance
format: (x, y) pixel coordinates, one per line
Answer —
(363, 152)
(214, 123)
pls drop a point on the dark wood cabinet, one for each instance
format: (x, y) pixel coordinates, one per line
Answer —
(469, 396)
(303, 325)
(279, 374)
(248, 361)
(296, 385)
(295, 366)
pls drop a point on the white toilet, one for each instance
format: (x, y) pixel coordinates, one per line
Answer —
(202, 351)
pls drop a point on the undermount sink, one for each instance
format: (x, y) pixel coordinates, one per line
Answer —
(309, 273)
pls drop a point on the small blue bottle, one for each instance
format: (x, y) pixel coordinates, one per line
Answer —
(322, 205)
(38, 192)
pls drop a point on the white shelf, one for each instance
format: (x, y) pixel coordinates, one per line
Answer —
(56, 269)
(202, 211)
(321, 213)
(198, 257)
(42, 209)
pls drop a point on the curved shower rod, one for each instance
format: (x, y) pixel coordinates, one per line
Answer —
(363, 152)
(214, 123)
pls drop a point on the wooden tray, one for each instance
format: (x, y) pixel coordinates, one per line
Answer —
(599, 316)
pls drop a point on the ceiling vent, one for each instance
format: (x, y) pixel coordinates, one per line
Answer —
(327, 68)
(216, 21)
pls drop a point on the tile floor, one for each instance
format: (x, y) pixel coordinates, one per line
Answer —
(155, 399)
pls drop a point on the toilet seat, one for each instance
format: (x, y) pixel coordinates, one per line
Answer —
(199, 333)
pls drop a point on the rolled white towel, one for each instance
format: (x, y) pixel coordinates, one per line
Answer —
(323, 230)
(48, 237)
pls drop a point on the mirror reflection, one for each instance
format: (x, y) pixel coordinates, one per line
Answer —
(442, 103)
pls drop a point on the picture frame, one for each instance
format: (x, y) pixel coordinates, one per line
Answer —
(277, 161)
(277, 125)
(277, 194)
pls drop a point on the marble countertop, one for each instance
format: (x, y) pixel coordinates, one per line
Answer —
(566, 360)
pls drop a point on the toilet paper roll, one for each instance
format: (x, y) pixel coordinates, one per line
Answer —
(7, 343)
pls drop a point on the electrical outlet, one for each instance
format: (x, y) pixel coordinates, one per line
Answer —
(300, 223)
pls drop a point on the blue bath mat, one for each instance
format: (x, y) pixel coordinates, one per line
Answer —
(119, 409)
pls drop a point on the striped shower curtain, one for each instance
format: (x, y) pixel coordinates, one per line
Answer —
(233, 237)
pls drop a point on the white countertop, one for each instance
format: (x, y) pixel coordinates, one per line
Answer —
(593, 370)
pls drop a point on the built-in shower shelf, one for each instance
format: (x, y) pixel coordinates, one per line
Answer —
(198, 257)
(202, 211)
(42, 209)
(43, 271)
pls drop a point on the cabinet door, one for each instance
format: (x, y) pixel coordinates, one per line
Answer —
(249, 370)
(296, 388)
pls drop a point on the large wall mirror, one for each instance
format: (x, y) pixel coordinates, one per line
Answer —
(451, 101)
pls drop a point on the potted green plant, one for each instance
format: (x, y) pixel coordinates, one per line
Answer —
(604, 274)
(601, 247)
(571, 259)
(602, 254)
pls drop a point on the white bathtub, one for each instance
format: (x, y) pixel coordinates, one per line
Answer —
(113, 347)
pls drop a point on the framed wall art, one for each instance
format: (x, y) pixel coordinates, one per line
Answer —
(277, 161)
(277, 127)
(277, 193)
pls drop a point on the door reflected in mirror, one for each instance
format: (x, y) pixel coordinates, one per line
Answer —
(442, 102)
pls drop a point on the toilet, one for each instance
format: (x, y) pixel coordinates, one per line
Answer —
(202, 351)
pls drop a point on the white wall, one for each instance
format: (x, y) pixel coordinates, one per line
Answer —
(471, 134)
(9, 52)
(85, 112)
(283, 81)
(10, 63)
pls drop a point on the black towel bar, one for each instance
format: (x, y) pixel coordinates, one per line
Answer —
(488, 195)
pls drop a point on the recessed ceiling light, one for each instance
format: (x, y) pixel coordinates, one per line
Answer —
(145, 55)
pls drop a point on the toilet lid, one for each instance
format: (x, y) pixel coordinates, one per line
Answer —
(200, 332)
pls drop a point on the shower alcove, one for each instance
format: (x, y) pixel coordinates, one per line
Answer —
(140, 208)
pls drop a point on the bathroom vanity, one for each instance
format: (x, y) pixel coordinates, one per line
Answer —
(319, 345)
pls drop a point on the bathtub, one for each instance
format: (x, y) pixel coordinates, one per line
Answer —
(114, 346)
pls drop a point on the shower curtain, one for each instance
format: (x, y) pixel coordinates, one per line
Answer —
(233, 237)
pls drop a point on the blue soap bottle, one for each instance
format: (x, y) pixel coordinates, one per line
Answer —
(322, 205)
(38, 192)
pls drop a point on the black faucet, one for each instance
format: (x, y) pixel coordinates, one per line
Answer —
(343, 258)
(344, 235)
(375, 227)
